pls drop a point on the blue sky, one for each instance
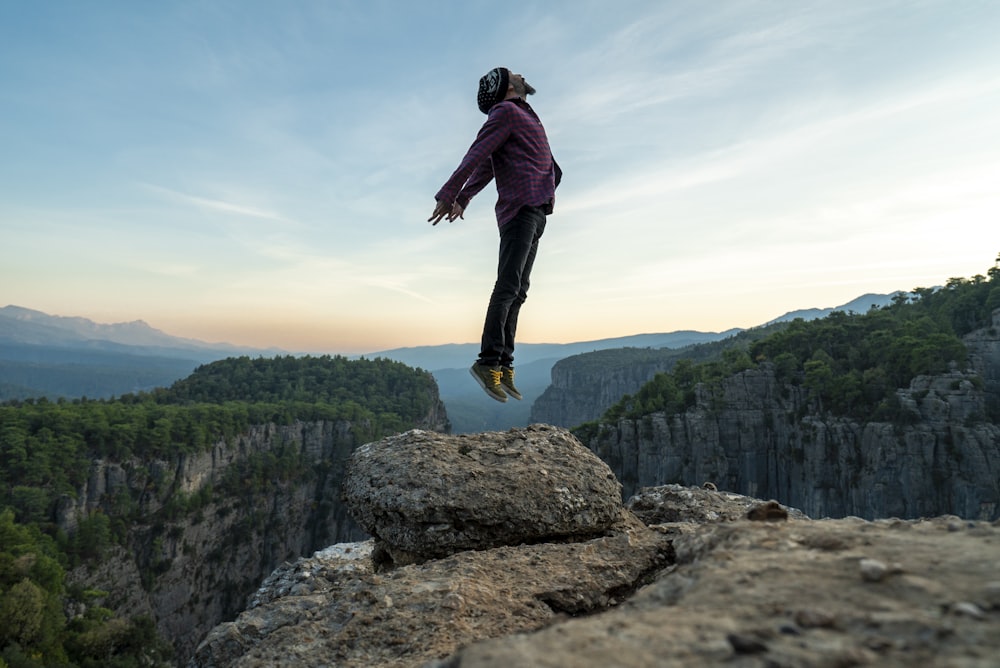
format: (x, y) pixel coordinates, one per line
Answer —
(261, 172)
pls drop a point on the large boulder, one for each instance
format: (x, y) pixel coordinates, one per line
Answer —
(424, 495)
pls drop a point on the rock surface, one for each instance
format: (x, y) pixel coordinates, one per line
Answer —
(346, 614)
(674, 504)
(791, 594)
(696, 591)
(425, 495)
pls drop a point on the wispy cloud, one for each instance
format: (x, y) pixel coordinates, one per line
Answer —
(399, 285)
(655, 176)
(218, 205)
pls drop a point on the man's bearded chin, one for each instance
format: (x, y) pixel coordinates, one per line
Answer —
(523, 88)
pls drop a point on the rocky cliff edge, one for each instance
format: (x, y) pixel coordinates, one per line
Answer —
(677, 577)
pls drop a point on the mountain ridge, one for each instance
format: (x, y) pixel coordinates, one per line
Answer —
(18, 322)
(860, 304)
(38, 350)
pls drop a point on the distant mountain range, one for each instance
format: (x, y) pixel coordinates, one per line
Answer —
(55, 356)
(862, 304)
(50, 356)
(25, 326)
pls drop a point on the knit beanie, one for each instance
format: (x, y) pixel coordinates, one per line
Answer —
(492, 88)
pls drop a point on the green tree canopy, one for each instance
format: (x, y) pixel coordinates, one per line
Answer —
(851, 364)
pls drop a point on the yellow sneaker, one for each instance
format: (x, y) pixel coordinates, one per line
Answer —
(488, 378)
(507, 381)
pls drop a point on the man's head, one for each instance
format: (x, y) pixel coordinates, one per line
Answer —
(500, 84)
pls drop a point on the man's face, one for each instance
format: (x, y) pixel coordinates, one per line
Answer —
(521, 87)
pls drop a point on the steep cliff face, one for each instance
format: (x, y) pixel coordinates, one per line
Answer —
(584, 386)
(759, 437)
(205, 528)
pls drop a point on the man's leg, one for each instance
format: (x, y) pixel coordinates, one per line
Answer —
(510, 325)
(518, 245)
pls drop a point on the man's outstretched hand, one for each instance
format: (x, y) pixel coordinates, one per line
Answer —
(442, 210)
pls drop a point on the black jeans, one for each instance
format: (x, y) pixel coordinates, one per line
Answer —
(518, 245)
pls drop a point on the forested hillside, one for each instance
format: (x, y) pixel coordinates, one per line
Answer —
(851, 364)
(585, 385)
(46, 454)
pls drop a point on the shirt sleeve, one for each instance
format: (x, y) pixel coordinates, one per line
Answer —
(476, 169)
(479, 180)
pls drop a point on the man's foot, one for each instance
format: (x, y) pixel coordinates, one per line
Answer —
(507, 382)
(488, 378)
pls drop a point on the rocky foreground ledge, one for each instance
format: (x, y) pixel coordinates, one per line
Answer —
(457, 574)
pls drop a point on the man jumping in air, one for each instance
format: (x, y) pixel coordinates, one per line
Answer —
(512, 148)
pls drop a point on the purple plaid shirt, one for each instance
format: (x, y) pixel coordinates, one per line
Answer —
(512, 148)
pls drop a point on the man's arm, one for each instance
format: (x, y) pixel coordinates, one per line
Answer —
(479, 180)
(492, 135)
